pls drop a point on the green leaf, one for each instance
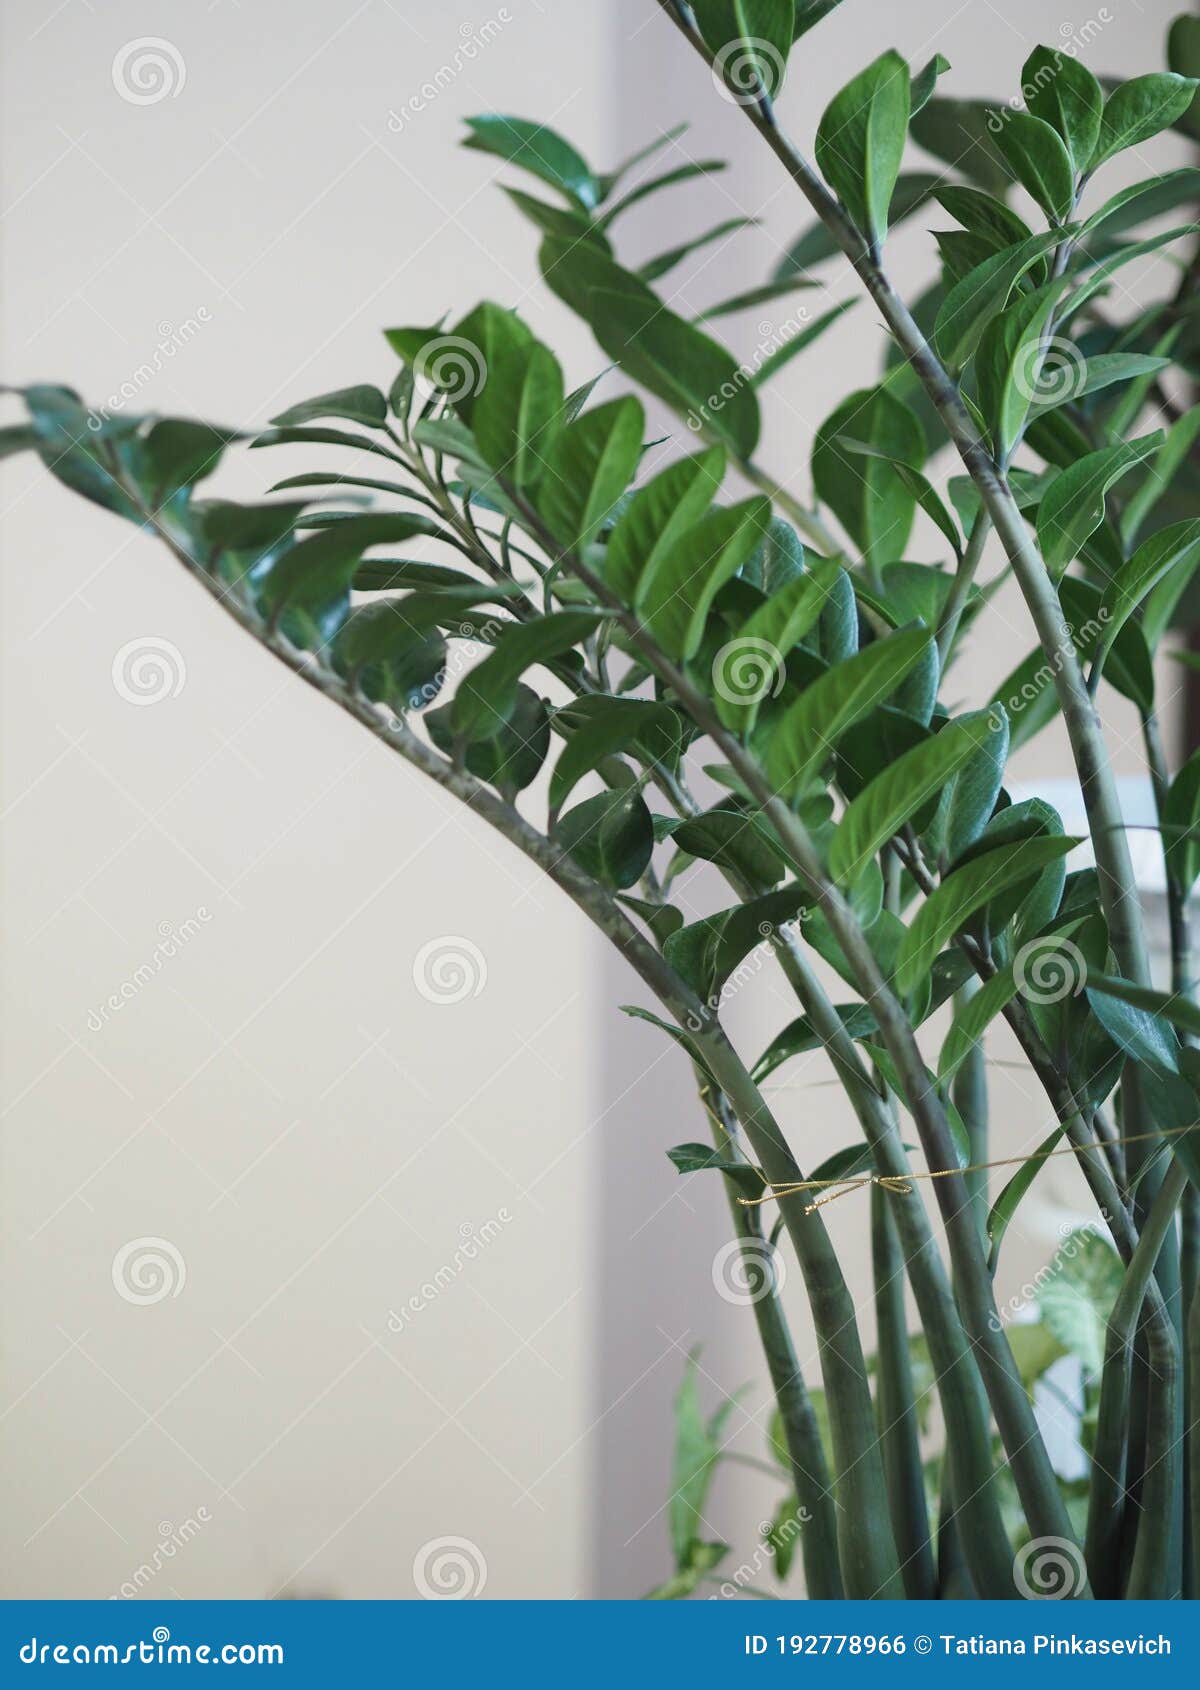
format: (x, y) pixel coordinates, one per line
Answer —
(971, 794)
(913, 190)
(1101, 370)
(702, 1158)
(896, 795)
(924, 83)
(512, 759)
(177, 452)
(807, 732)
(614, 724)
(589, 467)
(961, 134)
(983, 292)
(364, 405)
(657, 515)
(1128, 666)
(920, 488)
(1064, 94)
(566, 223)
(391, 659)
(669, 179)
(973, 1019)
(681, 364)
(751, 39)
(1076, 1297)
(307, 590)
(1008, 364)
(1173, 548)
(799, 1037)
(1179, 1010)
(704, 1557)
(1138, 109)
(1145, 199)
(1181, 826)
(307, 436)
(697, 1450)
(1159, 475)
(1006, 1204)
(1183, 56)
(706, 953)
(866, 494)
(486, 697)
(1093, 281)
(538, 149)
(966, 891)
(765, 294)
(610, 836)
(675, 596)
(1038, 158)
(983, 215)
(518, 413)
(734, 839)
(663, 262)
(860, 142)
(750, 666)
(810, 12)
(1073, 505)
(1138, 1032)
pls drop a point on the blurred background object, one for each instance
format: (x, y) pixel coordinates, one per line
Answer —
(340, 1250)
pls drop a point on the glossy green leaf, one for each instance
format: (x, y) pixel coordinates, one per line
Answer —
(1064, 93)
(925, 81)
(799, 1037)
(973, 1020)
(362, 404)
(1173, 548)
(751, 39)
(1160, 472)
(976, 300)
(860, 142)
(807, 732)
(961, 134)
(675, 596)
(1181, 826)
(668, 179)
(664, 262)
(724, 952)
(485, 697)
(518, 413)
(1008, 364)
(658, 513)
(1145, 199)
(1139, 109)
(1005, 1207)
(307, 590)
(611, 837)
(866, 494)
(1038, 158)
(966, 891)
(749, 668)
(177, 452)
(615, 724)
(588, 468)
(734, 839)
(1073, 505)
(896, 795)
(538, 149)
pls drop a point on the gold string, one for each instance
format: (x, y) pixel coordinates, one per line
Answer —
(901, 1184)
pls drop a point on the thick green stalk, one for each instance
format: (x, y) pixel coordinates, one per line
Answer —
(1153, 1573)
(970, 1094)
(802, 1436)
(899, 1432)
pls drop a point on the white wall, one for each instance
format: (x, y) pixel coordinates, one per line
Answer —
(278, 1101)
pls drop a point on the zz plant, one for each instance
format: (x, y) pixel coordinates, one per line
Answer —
(696, 623)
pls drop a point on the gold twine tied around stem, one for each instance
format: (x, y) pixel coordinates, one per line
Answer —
(902, 1184)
